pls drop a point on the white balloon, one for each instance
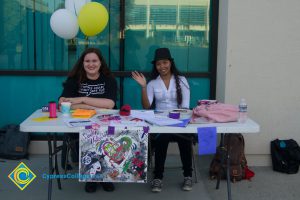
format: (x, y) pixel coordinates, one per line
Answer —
(64, 24)
(75, 5)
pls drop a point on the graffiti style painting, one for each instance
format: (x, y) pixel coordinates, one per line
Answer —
(114, 154)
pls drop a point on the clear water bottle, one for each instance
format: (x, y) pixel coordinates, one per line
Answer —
(242, 111)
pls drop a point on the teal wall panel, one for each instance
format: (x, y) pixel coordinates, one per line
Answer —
(21, 95)
(132, 93)
(199, 90)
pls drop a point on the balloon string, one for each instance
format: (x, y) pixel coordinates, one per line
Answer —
(86, 42)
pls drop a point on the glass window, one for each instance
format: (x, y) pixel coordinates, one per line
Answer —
(28, 43)
(182, 26)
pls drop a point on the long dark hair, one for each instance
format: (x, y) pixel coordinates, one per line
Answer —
(78, 69)
(176, 73)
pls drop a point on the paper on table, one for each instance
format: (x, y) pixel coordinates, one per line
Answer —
(42, 119)
(107, 111)
(183, 123)
(83, 113)
(78, 122)
(142, 114)
(207, 140)
(162, 120)
(128, 123)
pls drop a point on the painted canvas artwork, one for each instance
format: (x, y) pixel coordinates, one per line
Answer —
(113, 154)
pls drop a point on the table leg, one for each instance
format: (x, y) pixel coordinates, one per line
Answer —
(53, 169)
(50, 166)
(56, 150)
(228, 177)
(225, 157)
(222, 157)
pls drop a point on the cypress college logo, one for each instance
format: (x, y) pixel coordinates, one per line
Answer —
(22, 176)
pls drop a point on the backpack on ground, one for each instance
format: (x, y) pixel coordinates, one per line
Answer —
(13, 143)
(235, 145)
(285, 156)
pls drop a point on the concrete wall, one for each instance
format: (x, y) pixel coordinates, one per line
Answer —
(258, 59)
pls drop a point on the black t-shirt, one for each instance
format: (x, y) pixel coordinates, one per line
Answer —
(103, 87)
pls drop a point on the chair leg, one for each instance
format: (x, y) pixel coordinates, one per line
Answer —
(67, 157)
(194, 160)
(65, 154)
(149, 156)
(150, 159)
(74, 150)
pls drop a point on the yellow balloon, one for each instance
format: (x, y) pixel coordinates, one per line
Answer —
(92, 18)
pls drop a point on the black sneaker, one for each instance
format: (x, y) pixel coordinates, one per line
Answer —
(156, 185)
(90, 187)
(108, 187)
(187, 184)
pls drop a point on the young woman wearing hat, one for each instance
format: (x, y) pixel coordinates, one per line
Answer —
(167, 90)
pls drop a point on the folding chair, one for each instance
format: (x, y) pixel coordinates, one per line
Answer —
(70, 147)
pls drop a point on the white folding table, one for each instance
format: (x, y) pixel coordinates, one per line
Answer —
(57, 125)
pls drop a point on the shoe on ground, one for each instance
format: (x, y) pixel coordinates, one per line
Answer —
(90, 187)
(108, 187)
(156, 185)
(187, 184)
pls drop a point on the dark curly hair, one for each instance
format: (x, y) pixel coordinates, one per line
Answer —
(176, 73)
(78, 69)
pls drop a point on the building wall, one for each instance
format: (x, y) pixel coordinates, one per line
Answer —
(258, 59)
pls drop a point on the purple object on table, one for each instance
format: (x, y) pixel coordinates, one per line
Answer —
(110, 130)
(146, 129)
(174, 115)
(88, 127)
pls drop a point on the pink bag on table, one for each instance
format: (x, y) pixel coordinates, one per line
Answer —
(218, 112)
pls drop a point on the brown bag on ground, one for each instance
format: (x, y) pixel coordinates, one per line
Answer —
(235, 144)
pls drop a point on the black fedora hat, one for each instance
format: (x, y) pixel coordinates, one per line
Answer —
(161, 54)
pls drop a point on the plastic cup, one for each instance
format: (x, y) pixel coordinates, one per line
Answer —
(65, 108)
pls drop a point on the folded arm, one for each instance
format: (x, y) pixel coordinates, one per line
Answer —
(89, 102)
